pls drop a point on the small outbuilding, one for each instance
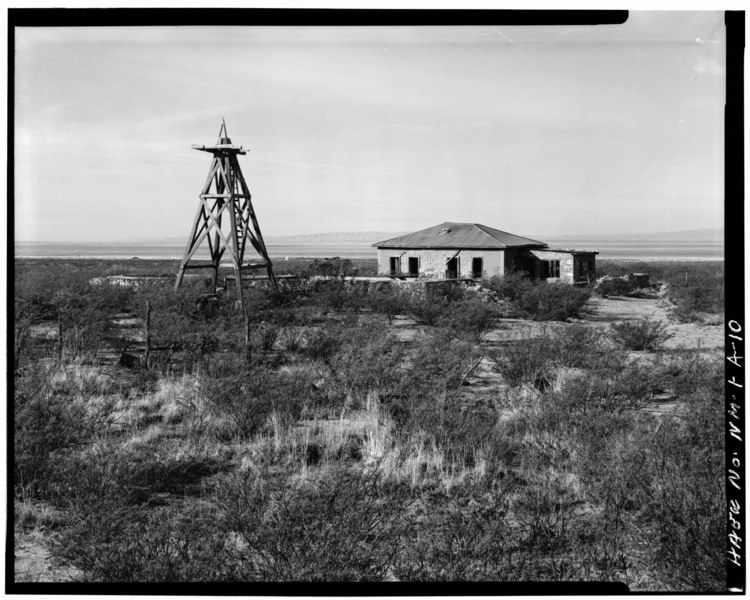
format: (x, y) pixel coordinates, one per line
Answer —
(474, 251)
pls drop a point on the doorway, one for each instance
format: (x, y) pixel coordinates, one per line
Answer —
(476, 268)
(414, 266)
(395, 265)
(452, 268)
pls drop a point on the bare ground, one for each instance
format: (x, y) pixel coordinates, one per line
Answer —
(33, 562)
(684, 335)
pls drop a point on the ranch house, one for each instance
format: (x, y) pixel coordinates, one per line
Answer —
(474, 251)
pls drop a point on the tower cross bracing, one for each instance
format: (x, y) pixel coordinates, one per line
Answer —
(225, 219)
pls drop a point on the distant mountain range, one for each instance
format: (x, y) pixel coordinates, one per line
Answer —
(690, 235)
(687, 235)
(341, 236)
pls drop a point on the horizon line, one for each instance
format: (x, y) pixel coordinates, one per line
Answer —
(270, 237)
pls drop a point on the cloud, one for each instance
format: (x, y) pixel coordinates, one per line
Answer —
(444, 123)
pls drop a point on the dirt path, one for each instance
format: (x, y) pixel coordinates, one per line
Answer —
(684, 335)
(600, 312)
(33, 562)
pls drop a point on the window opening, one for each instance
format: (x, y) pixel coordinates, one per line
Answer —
(550, 268)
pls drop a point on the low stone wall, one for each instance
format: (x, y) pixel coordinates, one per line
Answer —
(136, 281)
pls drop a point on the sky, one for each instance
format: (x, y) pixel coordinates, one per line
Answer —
(539, 131)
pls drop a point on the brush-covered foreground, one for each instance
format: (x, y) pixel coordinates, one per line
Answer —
(383, 433)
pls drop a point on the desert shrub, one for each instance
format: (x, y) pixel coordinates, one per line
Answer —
(681, 483)
(579, 420)
(50, 419)
(609, 538)
(111, 299)
(267, 336)
(30, 515)
(427, 307)
(198, 344)
(440, 361)
(470, 314)
(110, 472)
(370, 361)
(83, 319)
(291, 338)
(603, 394)
(388, 300)
(641, 335)
(332, 267)
(337, 295)
(428, 404)
(457, 431)
(461, 534)
(510, 287)
(684, 373)
(32, 298)
(576, 442)
(685, 310)
(633, 386)
(696, 288)
(336, 266)
(83, 340)
(140, 381)
(153, 471)
(526, 361)
(653, 480)
(330, 295)
(544, 514)
(21, 338)
(578, 346)
(623, 392)
(247, 394)
(346, 525)
(553, 301)
(438, 305)
(323, 343)
(261, 298)
(44, 292)
(114, 543)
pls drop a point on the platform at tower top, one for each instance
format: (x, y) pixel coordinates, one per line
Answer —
(220, 148)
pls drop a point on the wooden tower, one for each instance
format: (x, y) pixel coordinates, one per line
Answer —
(225, 218)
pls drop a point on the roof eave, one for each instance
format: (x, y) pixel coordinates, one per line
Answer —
(455, 247)
(572, 250)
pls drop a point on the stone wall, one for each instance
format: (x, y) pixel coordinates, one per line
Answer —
(567, 265)
(433, 263)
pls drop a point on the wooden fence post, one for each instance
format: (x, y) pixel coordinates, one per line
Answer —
(59, 337)
(148, 333)
(248, 347)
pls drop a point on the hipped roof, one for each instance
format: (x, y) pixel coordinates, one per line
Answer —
(458, 236)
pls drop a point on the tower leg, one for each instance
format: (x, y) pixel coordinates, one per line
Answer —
(180, 275)
(272, 277)
(238, 280)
